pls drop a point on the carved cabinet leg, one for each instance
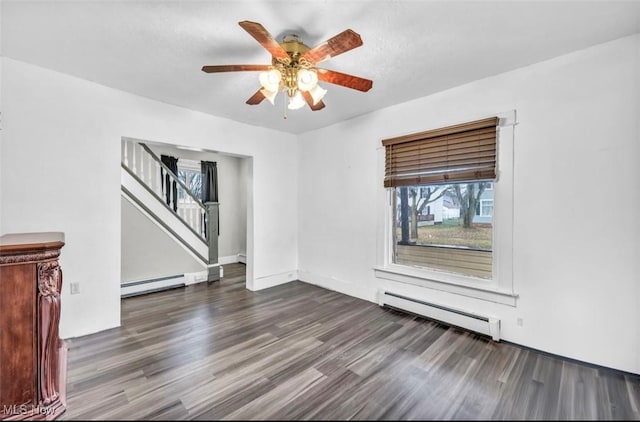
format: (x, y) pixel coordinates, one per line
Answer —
(49, 286)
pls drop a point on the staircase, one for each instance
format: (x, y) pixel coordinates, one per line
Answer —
(150, 186)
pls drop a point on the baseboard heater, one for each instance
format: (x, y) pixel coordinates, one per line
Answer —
(486, 325)
(135, 288)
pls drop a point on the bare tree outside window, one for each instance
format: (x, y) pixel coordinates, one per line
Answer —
(446, 215)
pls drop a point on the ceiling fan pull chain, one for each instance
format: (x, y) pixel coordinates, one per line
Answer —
(285, 109)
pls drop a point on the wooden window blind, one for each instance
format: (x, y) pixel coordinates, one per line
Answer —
(459, 153)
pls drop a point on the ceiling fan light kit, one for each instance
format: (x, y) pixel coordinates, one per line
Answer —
(293, 68)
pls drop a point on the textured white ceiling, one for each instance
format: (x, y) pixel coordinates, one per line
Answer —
(411, 48)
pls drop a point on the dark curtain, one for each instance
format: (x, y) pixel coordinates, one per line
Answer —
(172, 164)
(209, 181)
(210, 184)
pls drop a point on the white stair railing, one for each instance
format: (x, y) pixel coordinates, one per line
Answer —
(159, 179)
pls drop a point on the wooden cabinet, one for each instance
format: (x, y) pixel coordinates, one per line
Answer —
(32, 356)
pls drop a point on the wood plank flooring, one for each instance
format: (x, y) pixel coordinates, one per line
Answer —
(296, 351)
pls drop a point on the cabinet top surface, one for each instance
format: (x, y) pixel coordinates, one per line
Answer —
(31, 241)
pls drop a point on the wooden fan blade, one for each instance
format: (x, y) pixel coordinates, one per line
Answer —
(349, 81)
(236, 68)
(344, 41)
(309, 99)
(265, 39)
(256, 98)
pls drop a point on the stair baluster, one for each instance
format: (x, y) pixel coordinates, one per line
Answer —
(158, 189)
(141, 175)
(125, 159)
(133, 158)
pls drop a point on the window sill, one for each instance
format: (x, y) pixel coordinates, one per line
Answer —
(460, 285)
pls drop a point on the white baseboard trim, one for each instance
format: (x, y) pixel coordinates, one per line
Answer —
(338, 285)
(231, 259)
(274, 280)
(143, 286)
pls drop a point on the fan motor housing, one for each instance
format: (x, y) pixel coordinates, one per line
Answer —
(293, 46)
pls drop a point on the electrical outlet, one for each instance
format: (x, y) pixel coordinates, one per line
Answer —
(520, 322)
(75, 288)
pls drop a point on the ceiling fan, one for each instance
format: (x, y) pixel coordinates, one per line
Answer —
(293, 68)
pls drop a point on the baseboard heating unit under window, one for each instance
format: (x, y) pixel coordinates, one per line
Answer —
(486, 325)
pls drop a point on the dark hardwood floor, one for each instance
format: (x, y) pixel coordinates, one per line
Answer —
(297, 351)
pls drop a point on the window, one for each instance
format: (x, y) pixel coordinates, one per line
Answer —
(485, 208)
(190, 174)
(193, 180)
(451, 236)
(445, 172)
(441, 229)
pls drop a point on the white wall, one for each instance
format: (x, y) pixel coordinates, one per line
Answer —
(232, 193)
(61, 172)
(576, 270)
(243, 191)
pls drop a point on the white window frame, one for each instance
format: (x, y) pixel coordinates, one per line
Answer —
(481, 208)
(189, 165)
(500, 288)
